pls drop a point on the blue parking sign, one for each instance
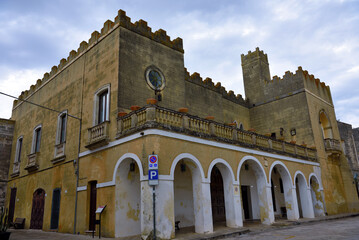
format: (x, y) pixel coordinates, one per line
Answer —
(153, 177)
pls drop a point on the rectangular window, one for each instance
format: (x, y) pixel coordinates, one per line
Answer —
(102, 108)
(37, 139)
(18, 151)
(63, 128)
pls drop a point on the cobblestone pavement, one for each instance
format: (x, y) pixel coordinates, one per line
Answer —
(345, 228)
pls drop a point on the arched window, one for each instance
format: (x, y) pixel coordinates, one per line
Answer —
(18, 149)
(101, 105)
(325, 125)
(61, 127)
(36, 139)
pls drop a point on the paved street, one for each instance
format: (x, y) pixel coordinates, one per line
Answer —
(345, 228)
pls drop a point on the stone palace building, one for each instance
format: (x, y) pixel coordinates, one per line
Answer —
(125, 94)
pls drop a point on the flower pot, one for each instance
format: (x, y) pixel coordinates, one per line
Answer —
(121, 114)
(251, 130)
(5, 235)
(210, 118)
(232, 124)
(151, 101)
(293, 142)
(183, 110)
(135, 107)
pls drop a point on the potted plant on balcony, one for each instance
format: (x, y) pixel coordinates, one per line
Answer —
(4, 224)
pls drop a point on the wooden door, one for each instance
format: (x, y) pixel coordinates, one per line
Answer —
(37, 213)
(246, 201)
(93, 196)
(217, 196)
(12, 205)
(55, 209)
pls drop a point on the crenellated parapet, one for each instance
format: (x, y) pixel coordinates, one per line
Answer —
(250, 56)
(299, 80)
(122, 20)
(141, 28)
(209, 84)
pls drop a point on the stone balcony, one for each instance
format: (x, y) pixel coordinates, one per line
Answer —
(152, 116)
(98, 135)
(32, 162)
(332, 146)
(15, 170)
(59, 153)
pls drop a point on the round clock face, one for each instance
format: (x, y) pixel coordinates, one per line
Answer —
(155, 78)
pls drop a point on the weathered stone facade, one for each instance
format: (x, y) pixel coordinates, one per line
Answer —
(221, 157)
(347, 135)
(6, 136)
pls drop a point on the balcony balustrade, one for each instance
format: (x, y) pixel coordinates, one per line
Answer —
(158, 117)
(98, 135)
(32, 162)
(15, 170)
(332, 146)
(59, 153)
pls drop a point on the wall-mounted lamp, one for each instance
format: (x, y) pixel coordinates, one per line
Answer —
(281, 131)
(293, 132)
(132, 166)
(183, 166)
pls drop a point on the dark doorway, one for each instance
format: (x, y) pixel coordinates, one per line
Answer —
(92, 213)
(217, 196)
(273, 197)
(246, 200)
(37, 212)
(55, 209)
(299, 201)
(12, 205)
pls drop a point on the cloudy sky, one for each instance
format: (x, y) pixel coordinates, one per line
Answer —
(322, 36)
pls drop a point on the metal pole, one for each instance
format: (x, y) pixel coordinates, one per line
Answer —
(77, 172)
(99, 227)
(154, 212)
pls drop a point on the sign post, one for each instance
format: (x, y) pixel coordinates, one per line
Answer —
(99, 210)
(153, 181)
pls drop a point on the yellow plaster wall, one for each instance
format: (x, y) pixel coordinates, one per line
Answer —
(62, 177)
(339, 190)
(287, 113)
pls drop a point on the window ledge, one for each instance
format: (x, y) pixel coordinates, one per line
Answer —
(15, 174)
(58, 159)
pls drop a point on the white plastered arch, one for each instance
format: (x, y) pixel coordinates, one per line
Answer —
(224, 162)
(190, 157)
(300, 173)
(318, 180)
(250, 158)
(286, 169)
(128, 156)
(290, 195)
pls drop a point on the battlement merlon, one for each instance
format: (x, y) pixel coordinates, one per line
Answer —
(209, 84)
(305, 80)
(257, 54)
(139, 27)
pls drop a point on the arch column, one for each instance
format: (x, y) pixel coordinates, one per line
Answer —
(266, 204)
(202, 206)
(233, 205)
(165, 226)
(291, 202)
(308, 211)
